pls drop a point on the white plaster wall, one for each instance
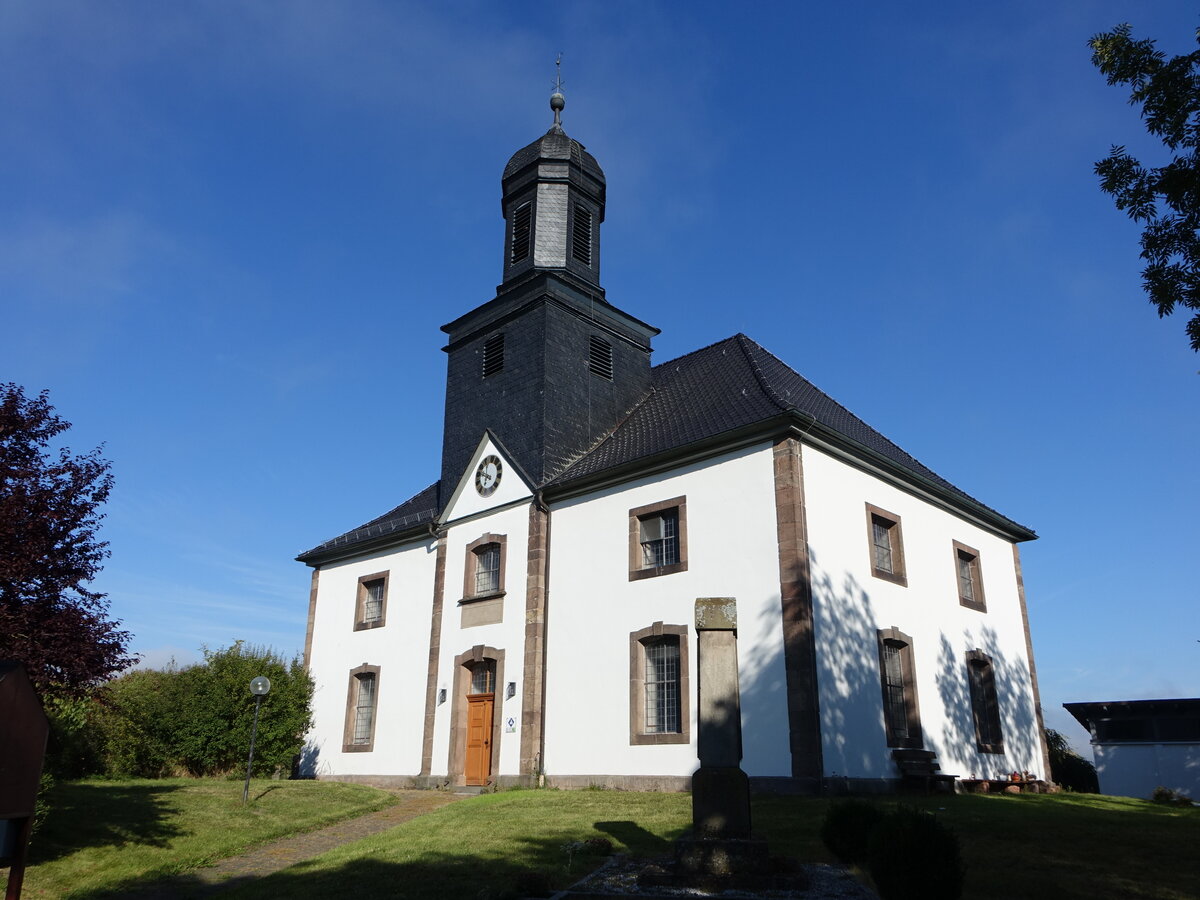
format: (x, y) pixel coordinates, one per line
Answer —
(400, 648)
(851, 605)
(593, 607)
(507, 635)
(1135, 770)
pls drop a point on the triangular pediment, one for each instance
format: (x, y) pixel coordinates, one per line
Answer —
(490, 480)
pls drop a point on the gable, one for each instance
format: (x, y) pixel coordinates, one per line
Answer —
(492, 479)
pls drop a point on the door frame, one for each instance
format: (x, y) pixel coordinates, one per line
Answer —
(456, 767)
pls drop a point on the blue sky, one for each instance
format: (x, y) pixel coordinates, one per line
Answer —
(231, 231)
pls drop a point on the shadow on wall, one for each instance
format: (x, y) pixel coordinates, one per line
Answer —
(1018, 722)
(763, 693)
(308, 761)
(853, 738)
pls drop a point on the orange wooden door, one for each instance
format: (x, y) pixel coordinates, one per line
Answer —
(479, 738)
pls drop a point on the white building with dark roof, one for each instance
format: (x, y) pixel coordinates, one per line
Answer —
(529, 613)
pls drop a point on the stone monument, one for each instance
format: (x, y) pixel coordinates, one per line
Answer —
(721, 841)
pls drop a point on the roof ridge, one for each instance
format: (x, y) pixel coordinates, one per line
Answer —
(662, 365)
(767, 388)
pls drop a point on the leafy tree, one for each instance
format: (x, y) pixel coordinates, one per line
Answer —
(1167, 198)
(1068, 768)
(49, 551)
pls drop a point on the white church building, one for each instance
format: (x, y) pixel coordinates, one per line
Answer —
(528, 616)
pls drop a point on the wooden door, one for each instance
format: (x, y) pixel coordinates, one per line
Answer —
(479, 738)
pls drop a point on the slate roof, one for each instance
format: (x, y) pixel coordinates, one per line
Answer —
(729, 385)
(416, 510)
(554, 144)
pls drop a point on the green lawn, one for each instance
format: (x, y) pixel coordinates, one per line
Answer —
(103, 835)
(1060, 846)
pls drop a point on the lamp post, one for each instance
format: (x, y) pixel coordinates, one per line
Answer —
(258, 687)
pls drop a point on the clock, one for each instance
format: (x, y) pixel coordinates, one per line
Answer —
(487, 476)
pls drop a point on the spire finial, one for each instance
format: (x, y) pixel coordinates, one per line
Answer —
(557, 101)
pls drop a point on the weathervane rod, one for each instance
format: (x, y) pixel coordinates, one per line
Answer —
(557, 101)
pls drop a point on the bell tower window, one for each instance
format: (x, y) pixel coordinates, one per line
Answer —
(522, 219)
(600, 358)
(493, 354)
(581, 236)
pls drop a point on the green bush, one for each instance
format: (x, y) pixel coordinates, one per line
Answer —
(847, 829)
(192, 721)
(913, 856)
(1068, 768)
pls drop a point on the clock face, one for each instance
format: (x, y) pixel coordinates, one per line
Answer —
(487, 476)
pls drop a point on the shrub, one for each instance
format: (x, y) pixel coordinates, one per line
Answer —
(1169, 797)
(1068, 768)
(913, 856)
(847, 829)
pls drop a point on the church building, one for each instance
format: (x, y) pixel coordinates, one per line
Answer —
(527, 617)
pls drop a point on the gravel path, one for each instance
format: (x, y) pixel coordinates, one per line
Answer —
(280, 854)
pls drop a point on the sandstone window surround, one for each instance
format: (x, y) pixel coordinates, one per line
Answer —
(886, 543)
(484, 574)
(970, 577)
(362, 704)
(985, 704)
(370, 605)
(659, 685)
(901, 709)
(658, 542)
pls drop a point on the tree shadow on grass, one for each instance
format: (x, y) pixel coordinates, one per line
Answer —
(95, 814)
(436, 875)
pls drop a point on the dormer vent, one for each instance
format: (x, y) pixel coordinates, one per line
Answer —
(581, 236)
(600, 358)
(520, 232)
(493, 354)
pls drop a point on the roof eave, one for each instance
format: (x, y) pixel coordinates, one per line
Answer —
(319, 557)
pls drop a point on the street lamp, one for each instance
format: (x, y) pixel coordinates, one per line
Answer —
(258, 687)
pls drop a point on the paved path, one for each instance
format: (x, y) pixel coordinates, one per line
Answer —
(280, 854)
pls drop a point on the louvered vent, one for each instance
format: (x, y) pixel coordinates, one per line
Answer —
(493, 354)
(581, 236)
(600, 358)
(520, 234)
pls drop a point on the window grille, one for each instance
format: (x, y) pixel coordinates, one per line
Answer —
(581, 236)
(896, 709)
(522, 219)
(373, 605)
(364, 709)
(662, 687)
(881, 530)
(985, 706)
(487, 569)
(600, 358)
(483, 677)
(966, 577)
(660, 539)
(493, 354)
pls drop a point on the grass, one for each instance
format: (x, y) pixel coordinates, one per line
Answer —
(1061, 846)
(106, 835)
(1047, 846)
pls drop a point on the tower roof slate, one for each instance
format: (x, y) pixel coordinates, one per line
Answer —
(717, 390)
(554, 144)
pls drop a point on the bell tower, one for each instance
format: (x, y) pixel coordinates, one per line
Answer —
(548, 364)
